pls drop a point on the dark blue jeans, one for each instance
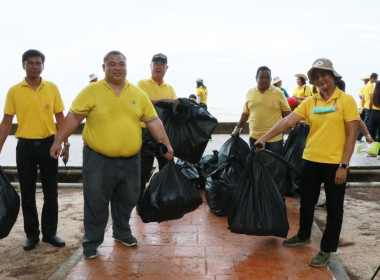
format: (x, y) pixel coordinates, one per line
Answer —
(31, 154)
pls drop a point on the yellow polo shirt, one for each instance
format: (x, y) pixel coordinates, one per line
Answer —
(303, 91)
(34, 109)
(265, 110)
(113, 126)
(368, 89)
(327, 137)
(362, 94)
(202, 92)
(155, 91)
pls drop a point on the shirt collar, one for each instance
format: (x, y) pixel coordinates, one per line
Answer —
(337, 93)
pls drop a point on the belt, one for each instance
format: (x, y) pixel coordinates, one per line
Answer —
(36, 142)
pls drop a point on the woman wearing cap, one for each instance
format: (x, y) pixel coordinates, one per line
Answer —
(264, 106)
(302, 91)
(201, 93)
(333, 119)
(277, 82)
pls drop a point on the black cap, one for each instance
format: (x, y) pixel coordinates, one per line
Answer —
(373, 75)
(160, 57)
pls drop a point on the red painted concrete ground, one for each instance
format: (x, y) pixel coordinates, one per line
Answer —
(200, 246)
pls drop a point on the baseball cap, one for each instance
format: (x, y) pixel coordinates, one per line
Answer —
(160, 57)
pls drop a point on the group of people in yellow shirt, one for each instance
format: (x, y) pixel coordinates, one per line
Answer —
(333, 119)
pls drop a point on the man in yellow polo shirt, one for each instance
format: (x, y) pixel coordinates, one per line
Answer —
(265, 105)
(367, 92)
(158, 91)
(113, 109)
(362, 110)
(36, 102)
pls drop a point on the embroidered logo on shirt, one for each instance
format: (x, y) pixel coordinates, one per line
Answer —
(133, 102)
(47, 106)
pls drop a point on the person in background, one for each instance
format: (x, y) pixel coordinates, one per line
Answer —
(302, 91)
(113, 109)
(201, 93)
(158, 91)
(375, 116)
(93, 77)
(277, 82)
(193, 97)
(264, 106)
(331, 114)
(36, 102)
(367, 91)
(362, 101)
(361, 125)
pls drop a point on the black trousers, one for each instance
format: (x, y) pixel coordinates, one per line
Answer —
(31, 154)
(362, 117)
(374, 125)
(313, 175)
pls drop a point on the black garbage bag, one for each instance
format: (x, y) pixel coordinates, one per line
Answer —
(208, 164)
(292, 153)
(234, 146)
(279, 169)
(225, 178)
(188, 126)
(9, 205)
(169, 196)
(258, 208)
(191, 171)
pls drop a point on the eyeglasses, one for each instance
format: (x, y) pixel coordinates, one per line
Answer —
(32, 63)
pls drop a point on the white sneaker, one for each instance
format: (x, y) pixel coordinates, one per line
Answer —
(378, 157)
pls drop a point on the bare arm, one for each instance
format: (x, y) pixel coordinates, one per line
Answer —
(5, 128)
(351, 129)
(70, 123)
(171, 100)
(243, 119)
(364, 130)
(59, 117)
(278, 128)
(156, 128)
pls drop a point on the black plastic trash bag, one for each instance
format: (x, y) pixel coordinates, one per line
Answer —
(169, 196)
(292, 153)
(234, 146)
(208, 164)
(258, 207)
(9, 205)
(225, 179)
(191, 171)
(188, 126)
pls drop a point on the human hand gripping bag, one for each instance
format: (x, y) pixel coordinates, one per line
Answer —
(225, 178)
(9, 205)
(169, 196)
(188, 126)
(258, 208)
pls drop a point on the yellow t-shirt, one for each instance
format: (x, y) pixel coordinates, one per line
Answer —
(367, 91)
(265, 110)
(113, 126)
(202, 92)
(327, 137)
(34, 109)
(362, 91)
(303, 91)
(155, 91)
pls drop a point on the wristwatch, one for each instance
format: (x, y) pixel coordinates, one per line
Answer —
(66, 144)
(343, 165)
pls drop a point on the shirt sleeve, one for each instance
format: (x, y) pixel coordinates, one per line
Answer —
(83, 103)
(149, 112)
(9, 107)
(58, 103)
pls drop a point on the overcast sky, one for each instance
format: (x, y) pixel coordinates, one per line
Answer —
(222, 41)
